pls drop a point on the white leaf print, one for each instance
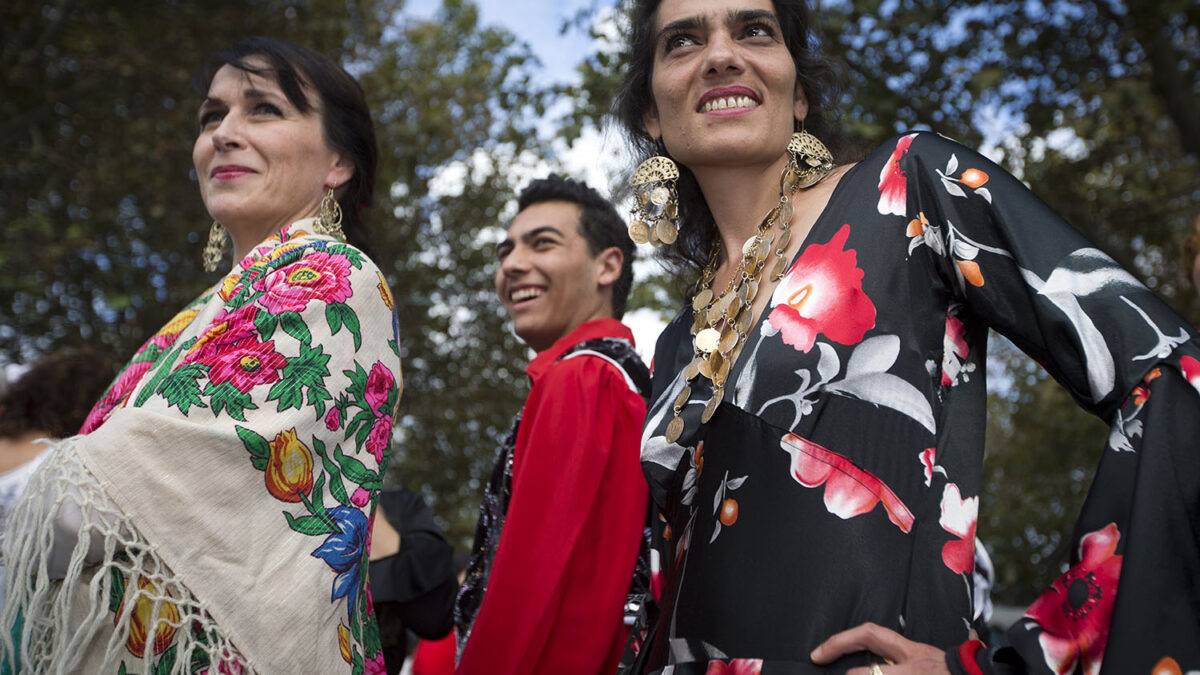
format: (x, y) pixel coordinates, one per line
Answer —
(830, 364)
(737, 482)
(952, 165)
(953, 188)
(716, 531)
(720, 493)
(985, 193)
(891, 392)
(873, 355)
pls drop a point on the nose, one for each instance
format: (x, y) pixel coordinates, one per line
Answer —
(722, 54)
(228, 134)
(515, 263)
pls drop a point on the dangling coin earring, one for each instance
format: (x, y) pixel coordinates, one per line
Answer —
(214, 250)
(329, 221)
(811, 160)
(656, 203)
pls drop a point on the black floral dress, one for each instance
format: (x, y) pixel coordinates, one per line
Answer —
(838, 481)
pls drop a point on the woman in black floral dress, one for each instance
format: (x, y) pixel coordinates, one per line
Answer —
(815, 440)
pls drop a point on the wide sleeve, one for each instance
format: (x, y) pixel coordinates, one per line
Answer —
(1130, 601)
(565, 560)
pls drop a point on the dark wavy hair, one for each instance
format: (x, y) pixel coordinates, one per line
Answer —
(816, 74)
(56, 394)
(599, 223)
(345, 118)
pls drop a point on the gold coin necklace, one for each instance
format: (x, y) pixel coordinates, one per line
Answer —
(720, 323)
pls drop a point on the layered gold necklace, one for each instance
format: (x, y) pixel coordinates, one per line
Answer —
(720, 323)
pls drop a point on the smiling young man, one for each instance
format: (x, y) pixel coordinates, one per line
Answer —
(561, 525)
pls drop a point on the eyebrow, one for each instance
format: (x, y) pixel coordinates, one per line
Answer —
(246, 93)
(735, 16)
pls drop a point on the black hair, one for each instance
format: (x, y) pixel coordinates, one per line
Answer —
(599, 223)
(815, 74)
(56, 394)
(345, 117)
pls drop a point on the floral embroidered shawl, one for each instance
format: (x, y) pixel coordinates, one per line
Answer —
(245, 445)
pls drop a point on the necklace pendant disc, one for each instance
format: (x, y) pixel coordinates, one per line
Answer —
(639, 232)
(666, 231)
(701, 299)
(742, 325)
(735, 306)
(729, 340)
(674, 429)
(692, 369)
(707, 340)
(711, 407)
(780, 268)
(682, 398)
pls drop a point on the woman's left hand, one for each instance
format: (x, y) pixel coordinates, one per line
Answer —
(905, 656)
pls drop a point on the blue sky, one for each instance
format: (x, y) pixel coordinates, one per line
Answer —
(537, 22)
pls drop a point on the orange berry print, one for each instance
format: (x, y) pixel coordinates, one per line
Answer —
(974, 177)
(729, 512)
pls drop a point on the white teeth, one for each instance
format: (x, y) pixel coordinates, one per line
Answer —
(730, 102)
(525, 294)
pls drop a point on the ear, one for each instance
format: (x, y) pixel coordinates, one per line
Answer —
(608, 265)
(800, 105)
(651, 123)
(340, 173)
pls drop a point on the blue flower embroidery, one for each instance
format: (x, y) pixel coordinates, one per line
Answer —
(343, 552)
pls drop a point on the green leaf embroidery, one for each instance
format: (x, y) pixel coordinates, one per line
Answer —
(334, 318)
(162, 371)
(318, 495)
(351, 320)
(356, 471)
(306, 371)
(310, 525)
(166, 663)
(228, 397)
(266, 323)
(294, 325)
(335, 474)
(257, 446)
(359, 666)
(340, 314)
(116, 589)
(182, 387)
(352, 254)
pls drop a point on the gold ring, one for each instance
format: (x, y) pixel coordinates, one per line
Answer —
(875, 669)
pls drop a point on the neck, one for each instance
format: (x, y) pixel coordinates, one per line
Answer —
(18, 450)
(739, 198)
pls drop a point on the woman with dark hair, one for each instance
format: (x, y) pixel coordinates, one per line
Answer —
(815, 438)
(214, 513)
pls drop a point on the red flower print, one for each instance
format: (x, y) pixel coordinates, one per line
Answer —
(226, 328)
(958, 518)
(165, 337)
(379, 386)
(849, 491)
(246, 363)
(892, 182)
(115, 397)
(1075, 612)
(929, 464)
(316, 276)
(734, 667)
(822, 294)
(1191, 371)
(377, 441)
(955, 351)
(374, 665)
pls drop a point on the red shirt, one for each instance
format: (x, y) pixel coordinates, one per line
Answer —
(555, 596)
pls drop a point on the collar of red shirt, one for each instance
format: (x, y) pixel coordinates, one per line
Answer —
(588, 330)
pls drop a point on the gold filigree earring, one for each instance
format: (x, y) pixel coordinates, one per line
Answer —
(656, 203)
(214, 250)
(329, 221)
(811, 160)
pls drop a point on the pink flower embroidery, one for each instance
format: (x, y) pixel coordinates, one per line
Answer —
(374, 665)
(734, 667)
(822, 294)
(849, 490)
(115, 397)
(360, 498)
(1191, 371)
(318, 276)
(246, 363)
(958, 518)
(378, 439)
(379, 386)
(893, 184)
(333, 419)
(1075, 612)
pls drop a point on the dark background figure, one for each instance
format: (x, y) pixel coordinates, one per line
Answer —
(413, 575)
